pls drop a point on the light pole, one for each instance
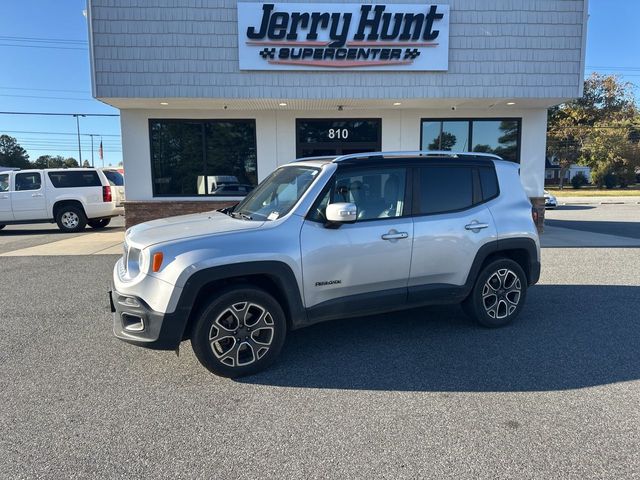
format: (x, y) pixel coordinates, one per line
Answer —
(77, 115)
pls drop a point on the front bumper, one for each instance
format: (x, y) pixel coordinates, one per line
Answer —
(135, 322)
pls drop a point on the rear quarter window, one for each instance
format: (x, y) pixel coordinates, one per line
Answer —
(445, 189)
(75, 179)
(488, 182)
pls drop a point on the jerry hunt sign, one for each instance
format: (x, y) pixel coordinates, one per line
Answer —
(333, 36)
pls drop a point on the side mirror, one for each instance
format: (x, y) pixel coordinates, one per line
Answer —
(341, 213)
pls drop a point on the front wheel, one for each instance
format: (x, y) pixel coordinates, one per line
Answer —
(99, 223)
(240, 332)
(498, 294)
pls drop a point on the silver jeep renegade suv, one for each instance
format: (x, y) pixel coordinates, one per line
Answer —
(329, 238)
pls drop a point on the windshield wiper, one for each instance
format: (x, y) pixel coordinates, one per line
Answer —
(242, 215)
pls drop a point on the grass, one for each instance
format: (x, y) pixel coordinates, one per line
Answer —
(591, 191)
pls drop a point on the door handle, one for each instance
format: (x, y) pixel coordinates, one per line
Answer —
(37, 195)
(393, 235)
(4, 196)
(476, 226)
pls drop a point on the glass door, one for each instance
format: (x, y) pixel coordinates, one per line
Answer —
(326, 137)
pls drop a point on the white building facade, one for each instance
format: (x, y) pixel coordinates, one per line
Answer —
(215, 94)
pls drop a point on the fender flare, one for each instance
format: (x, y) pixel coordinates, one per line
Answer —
(497, 246)
(278, 272)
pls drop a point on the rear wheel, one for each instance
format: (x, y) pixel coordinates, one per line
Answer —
(71, 218)
(498, 295)
(99, 222)
(240, 332)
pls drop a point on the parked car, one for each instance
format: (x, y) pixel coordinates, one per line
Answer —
(116, 180)
(71, 197)
(329, 238)
(549, 200)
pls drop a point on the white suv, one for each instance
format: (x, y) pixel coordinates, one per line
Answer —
(71, 197)
(329, 238)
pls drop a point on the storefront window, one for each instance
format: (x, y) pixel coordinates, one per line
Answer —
(319, 137)
(447, 135)
(499, 136)
(203, 157)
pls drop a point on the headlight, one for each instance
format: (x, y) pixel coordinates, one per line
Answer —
(133, 262)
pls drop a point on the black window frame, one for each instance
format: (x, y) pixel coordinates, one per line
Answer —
(470, 121)
(202, 122)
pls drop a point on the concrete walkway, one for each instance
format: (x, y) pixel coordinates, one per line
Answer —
(99, 243)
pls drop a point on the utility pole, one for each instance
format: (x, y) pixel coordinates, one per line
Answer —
(78, 115)
(92, 135)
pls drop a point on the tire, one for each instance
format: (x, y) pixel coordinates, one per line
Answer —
(98, 223)
(71, 218)
(229, 347)
(490, 285)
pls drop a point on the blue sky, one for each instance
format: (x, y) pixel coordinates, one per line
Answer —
(43, 45)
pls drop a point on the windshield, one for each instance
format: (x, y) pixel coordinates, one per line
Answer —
(277, 194)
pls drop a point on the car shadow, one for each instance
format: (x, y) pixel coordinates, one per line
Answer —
(573, 207)
(567, 337)
(621, 229)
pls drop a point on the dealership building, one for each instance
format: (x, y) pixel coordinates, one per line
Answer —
(215, 94)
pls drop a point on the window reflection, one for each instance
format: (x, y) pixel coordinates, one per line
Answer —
(203, 157)
(496, 136)
(499, 136)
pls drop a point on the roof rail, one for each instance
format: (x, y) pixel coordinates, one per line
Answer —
(423, 153)
(311, 159)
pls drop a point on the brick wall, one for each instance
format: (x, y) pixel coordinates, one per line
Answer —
(538, 204)
(143, 211)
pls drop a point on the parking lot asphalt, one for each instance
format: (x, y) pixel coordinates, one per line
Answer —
(416, 394)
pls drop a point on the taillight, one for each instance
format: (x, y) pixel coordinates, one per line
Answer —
(106, 193)
(534, 215)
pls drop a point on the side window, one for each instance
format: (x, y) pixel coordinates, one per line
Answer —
(488, 182)
(445, 189)
(4, 183)
(28, 181)
(74, 179)
(377, 192)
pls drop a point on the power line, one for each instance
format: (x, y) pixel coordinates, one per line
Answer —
(63, 114)
(42, 39)
(44, 90)
(60, 133)
(49, 98)
(42, 46)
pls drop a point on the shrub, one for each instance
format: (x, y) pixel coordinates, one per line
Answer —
(610, 181)
(578, 180)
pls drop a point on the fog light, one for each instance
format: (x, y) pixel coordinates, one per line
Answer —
(132, 323)
(130, 302)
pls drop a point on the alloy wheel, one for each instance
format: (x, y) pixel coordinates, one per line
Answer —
(501, 293)
(241, 334)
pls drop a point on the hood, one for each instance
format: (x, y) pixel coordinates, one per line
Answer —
(186, 226)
